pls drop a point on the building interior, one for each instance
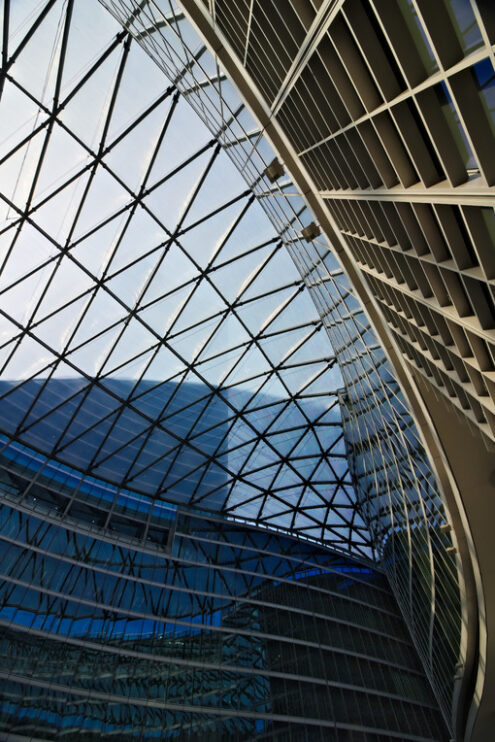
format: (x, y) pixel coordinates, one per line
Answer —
(247, 370)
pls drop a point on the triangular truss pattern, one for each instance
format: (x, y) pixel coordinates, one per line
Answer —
(154, 331)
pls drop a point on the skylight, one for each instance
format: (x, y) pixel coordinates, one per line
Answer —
(155, 332)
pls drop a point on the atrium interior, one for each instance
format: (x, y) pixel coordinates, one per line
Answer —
(247, 385)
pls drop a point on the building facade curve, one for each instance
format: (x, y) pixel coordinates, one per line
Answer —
(331, 94)
(187, 384)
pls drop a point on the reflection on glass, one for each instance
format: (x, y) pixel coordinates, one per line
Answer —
(464, 22)
(417, 31)
(180, 641)
(451, 116)
(484, 76)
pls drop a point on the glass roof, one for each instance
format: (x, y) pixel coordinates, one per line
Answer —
(154, 331)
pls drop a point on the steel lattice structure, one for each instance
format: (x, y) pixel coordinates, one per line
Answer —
(155, 332)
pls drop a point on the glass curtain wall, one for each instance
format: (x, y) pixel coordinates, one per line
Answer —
(393, 480)
(209, 630)
(162, 351)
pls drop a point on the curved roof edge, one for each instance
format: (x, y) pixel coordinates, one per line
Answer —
(469, 571)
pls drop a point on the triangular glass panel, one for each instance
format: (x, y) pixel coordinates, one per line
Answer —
(29, 359)
(165, 365)
(169, 200)
(160, 315)
(36, 67)
(134, 340)
(308, 445)
(254, 314)
(319, 514)
(264, 283)
(153, 398)
(204, 303)
(254, 229)
(186, 410)
(80, 448)
(24, 116)
(278, 346)
(175, 271)
(271, 392)
(6, 353)
(137, 233)
(152, 447)
(262, 478)
(241, 493)
(103, 312)
(315, 346)
(287, 477)
(280, 521)
(68, 282)
(290, 418)
(96, 404)
(326, 382)
(307, 466)
(262, 420)
(95, 251)
(131, 156)
(234, 460)
(215, 370)
(189, 344)
(56, 217)
(285, 442)
(253, 364)
(89, 34)
(214, 501)
(15, 399)
(209, 441)
(181, 479)
(222, 183)
(303, 521)
(297, 379)
(183, 138)
(90, 357)
(129, 425)
(233, 278)
(230, 334)
(132, 370)
(338, 447)
(203, 241)
(264, 455)
(286, 499)
(300, 306)
(17, 177)
(53, 405)
(324, 473)
(8, 330)
(104, 199)
(57, 329)
(62, 159)
(214, 479)
(340, 467)
(129, 284)
(85, 113)
(134, 97)
(29, 251)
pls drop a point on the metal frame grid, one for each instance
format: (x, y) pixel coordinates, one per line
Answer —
(394, 477)
(99, 302)
(391, 111)
(235, 627)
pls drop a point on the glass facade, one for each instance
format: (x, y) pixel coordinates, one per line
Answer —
(217, 519)
(155, 332)
(394, 486)
(393, 480)
(219, 632)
